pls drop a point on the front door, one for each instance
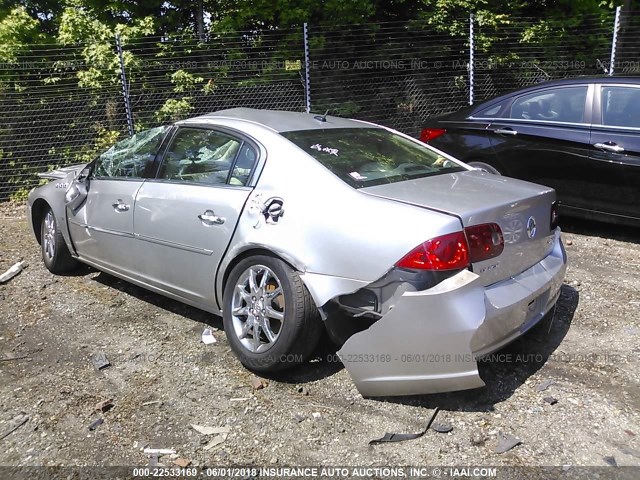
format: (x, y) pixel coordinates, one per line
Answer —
(185, 218)
(102, 225)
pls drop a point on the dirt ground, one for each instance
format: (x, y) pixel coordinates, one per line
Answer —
(163, 379)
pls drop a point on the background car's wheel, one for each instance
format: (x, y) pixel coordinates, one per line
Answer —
(485, 167)
(269, 317)
(55, 254)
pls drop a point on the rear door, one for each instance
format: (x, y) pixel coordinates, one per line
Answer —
(185, 217)
(543, 137)
(102, 226)
(615, 138)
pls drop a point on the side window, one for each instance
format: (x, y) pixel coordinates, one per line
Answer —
(200, 155)
(620, 106)
(491, 111)
(557, 104)
(130, 157)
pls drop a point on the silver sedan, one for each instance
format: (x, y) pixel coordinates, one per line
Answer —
(287, 224)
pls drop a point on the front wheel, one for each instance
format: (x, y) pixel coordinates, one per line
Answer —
(55, 254)
(485, 167)
(269, 317)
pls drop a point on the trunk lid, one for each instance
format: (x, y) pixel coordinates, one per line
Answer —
(522, 209)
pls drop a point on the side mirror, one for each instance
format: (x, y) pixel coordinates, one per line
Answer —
(76, 194)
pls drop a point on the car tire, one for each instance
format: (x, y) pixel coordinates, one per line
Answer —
(55, 254)
(485, 167)
(251, 306)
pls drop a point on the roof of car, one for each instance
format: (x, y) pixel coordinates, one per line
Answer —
(282, 121)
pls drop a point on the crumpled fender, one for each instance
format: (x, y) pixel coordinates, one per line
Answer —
(423, 344)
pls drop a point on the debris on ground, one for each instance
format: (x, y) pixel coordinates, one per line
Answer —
(16, 423)
(96, 423)
(20, 357)
(569, 242)
(442, 427)
(257, 383)
(544, 385)
(182, 462)
(302, 390)
(104, 405)
(316, 415)
(550, 400)
(15, 269)
(215, 441)
(158, 451)
(153, 460)
(100, 360)
(152, 402)
(210, 430)
(506, 442)
(401, 437)
(207, 337)
(299, 418)
(610, 460)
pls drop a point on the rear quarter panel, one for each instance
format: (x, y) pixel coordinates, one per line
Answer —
(328, 228)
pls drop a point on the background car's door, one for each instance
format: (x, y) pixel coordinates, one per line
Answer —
(615, 138)
(545, 140)
(184, 219)
(102, 228)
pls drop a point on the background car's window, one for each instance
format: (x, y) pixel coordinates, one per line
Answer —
(492, 111)
(557, 105)
(621, 106)
(130, 157)
(200, 155)
(363, 157)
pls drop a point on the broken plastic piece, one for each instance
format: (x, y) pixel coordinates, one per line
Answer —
(506, 442)
(100, 361)
(207, 337)
(15, 269)
(544, 385)
(95, 424)
(401, 437)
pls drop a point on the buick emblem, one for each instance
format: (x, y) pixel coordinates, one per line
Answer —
(531, 227)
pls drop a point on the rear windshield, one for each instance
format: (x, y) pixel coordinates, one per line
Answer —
(364, 157)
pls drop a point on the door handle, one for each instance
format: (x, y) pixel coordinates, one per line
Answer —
(120, 206)
(505, 131)
(210, 218)
(609, 147)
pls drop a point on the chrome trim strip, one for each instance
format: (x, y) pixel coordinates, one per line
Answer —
(201, 251)
(102, 230)
(494, 120)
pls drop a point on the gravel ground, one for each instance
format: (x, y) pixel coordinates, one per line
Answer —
(163, 379)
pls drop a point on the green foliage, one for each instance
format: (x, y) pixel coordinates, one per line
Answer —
(174, 110)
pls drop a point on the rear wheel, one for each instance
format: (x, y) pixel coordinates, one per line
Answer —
(485, 167)
(55, 254)
(269, 316)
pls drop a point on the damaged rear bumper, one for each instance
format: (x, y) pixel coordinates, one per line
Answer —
(429, 341)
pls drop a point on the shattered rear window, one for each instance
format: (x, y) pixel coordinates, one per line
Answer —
(363, 157)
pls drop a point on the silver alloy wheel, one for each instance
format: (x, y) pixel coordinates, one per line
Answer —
(257, 308)
(49, 239)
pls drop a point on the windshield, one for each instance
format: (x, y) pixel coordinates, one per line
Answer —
(363, 157)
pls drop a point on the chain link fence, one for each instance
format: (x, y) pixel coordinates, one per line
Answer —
(63, 104)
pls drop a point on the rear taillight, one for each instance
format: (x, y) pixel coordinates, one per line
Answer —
(456, 251)
(554, 216)
(431, 133)
(446, 252)
(485, 241)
